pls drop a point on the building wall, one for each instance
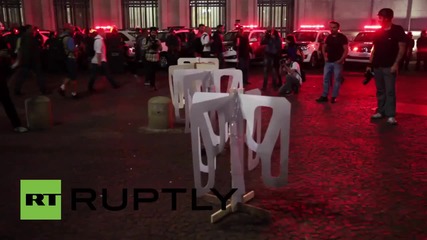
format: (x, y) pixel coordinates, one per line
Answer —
(353, 15)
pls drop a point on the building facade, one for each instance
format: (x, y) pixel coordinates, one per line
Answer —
(285, 15)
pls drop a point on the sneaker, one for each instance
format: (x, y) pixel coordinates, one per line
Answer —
(147, 83)
(377, 116)
(322, 99)
(20, 129)
(333, 100)
(391, 121)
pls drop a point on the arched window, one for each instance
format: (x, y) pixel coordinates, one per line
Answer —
(11, 13)
(140, 13)
(277, 14)
(75, 12)
(208, 12)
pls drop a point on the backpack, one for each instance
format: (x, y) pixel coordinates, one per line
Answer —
(302, 75)
(58, 48)
(90, 42)
(197, 45)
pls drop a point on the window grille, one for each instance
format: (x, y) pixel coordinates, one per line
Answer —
(276, 14)
(208, 12)
(11, 14)
(140, 13)
(76, 12)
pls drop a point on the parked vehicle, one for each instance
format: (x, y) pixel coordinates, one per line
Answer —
(310, 39)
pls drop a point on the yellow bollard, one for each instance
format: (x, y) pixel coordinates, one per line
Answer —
(39, 112)
(160, 113)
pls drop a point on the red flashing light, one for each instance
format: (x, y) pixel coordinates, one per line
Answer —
(372, 27)
(312, 26)
(245, 26)
(107, 28)
(355, 49)
(250, 26)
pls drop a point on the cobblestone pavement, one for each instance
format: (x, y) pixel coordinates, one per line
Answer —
(349, 178)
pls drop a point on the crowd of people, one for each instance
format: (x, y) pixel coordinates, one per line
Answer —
(24, 51)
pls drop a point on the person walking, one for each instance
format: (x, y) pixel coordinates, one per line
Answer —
(99, 62)
(388, 50)
(334, 51)
(5, 72)
(69, 47)
(29, 59)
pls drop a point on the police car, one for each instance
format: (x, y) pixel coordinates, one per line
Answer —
(310, 39)
(255, 36)
(359, 50)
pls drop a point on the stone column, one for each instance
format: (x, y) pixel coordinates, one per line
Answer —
(184, 13)
(116, 16)
(169, 13)
(251, 15)
(107, 13)
(33, 12)
(49, 21)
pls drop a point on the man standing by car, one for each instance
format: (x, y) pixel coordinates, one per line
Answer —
(173, 42)
(217, 46)
(388, 50)
(334, 51)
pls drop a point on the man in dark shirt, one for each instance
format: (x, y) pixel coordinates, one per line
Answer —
(217, 47)
(173, 42)
(334, 51)
(29, 60)
(388, 50)
(243, 52)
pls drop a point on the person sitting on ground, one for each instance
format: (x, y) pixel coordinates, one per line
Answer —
(292, 70)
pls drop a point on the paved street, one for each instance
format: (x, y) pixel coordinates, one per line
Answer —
(349, 177)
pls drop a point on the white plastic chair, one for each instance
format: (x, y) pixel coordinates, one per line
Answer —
(235, 81)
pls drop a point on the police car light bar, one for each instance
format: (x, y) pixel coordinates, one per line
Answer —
(312, 26)
(245, 26)
(372, 27)
(106, 28)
